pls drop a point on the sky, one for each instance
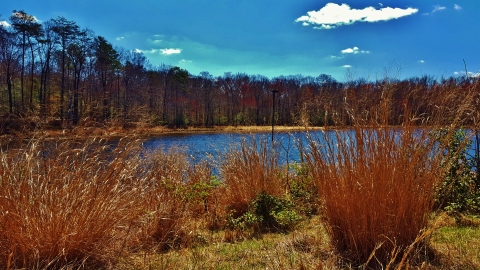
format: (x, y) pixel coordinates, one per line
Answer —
(348, 39)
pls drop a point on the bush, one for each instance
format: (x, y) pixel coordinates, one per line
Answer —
(457, 192)
(267, 213)
(302, 190)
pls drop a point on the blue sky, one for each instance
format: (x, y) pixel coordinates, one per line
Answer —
(345, 39)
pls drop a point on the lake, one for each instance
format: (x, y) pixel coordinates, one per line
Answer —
(202, 145)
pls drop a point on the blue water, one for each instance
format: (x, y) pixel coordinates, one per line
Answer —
(201, 146)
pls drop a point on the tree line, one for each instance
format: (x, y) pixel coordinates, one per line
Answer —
(56, 73)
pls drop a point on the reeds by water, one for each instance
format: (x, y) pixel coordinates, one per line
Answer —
(377, 186)
(248, 170)
(92, 205)
(65, 206)
(85, 205)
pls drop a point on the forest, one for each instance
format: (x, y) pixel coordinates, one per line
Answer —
(56, 74)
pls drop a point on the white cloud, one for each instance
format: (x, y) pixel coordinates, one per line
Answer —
(346, 66)
(474, 74)
(457, 7)
(170, 51)
(156, 39)
(438, 8)
(4, 24)
(333, 15)
(353, 50)
(183, 61)
(126, 36)
(470, 74)
(350, 50)
(161, 51)
(421, 61)
(435, 9)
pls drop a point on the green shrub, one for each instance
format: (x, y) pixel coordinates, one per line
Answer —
(181, 120)
(457, 192)
(303, 190)
(267, 213)
(157, 121)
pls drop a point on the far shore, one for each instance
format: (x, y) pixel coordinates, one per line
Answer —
(144, 132)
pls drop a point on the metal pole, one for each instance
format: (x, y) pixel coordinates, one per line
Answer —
(274, 91)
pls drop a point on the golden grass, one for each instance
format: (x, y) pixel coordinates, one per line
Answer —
(247, 170)
(66, 206)
(91, 205)
(177, 197)
(377, 186)
(116, 131)
(84, 205)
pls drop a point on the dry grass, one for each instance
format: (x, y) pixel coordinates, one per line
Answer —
(457, 245)
(307, 248)
(177, 198)
(378, 188)
(247, 170)
(85, 205)
(91, 205)
(65, 206)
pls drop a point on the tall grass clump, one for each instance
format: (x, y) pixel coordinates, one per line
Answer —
(178, 198)
(255, 197)
(66, 205)
(377, 187)
(90, 203)
(247, 170)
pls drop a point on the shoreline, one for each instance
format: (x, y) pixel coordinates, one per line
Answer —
(141, 132)
(117, 132)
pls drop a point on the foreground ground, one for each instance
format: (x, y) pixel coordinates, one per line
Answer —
(155, 210)
(453, 246)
